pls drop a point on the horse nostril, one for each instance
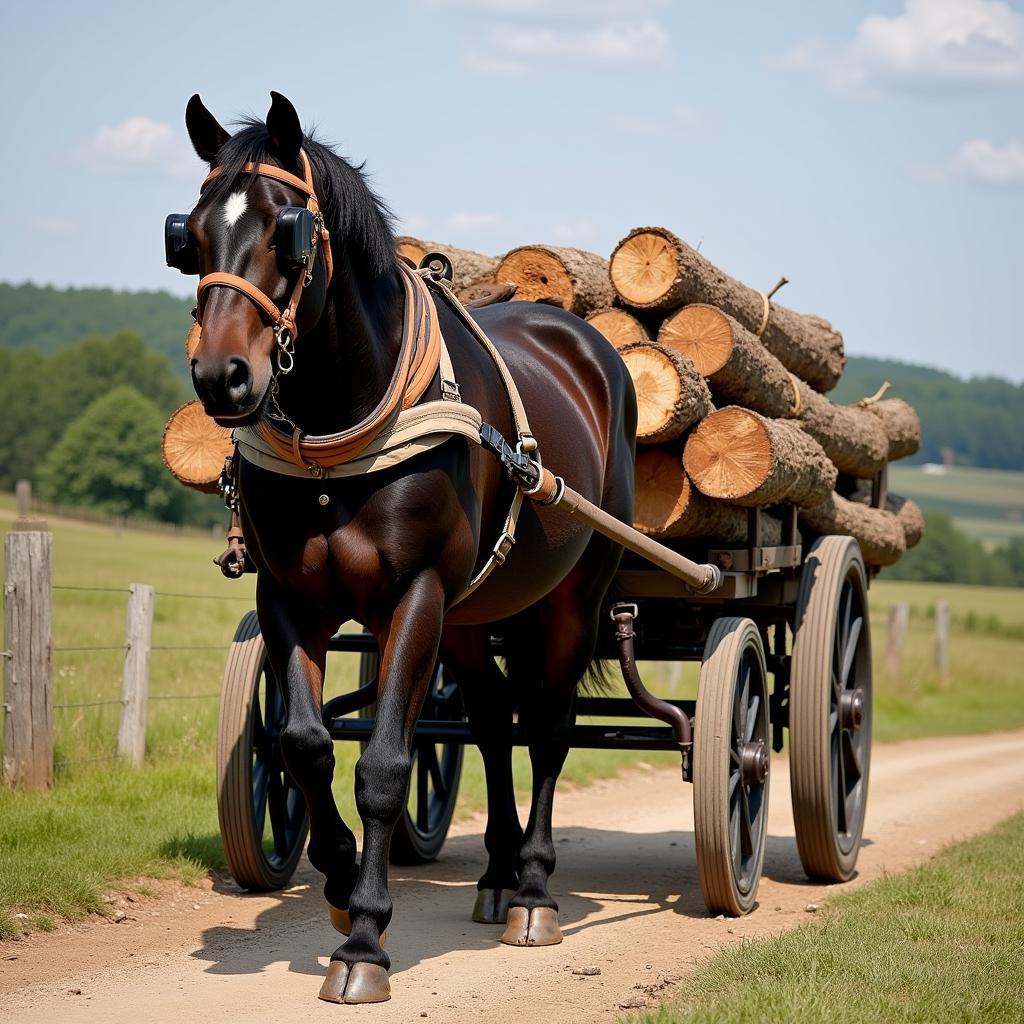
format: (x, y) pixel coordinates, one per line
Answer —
(238, 379)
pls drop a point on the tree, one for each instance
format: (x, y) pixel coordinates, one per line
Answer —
(41, 395)
(109, 460)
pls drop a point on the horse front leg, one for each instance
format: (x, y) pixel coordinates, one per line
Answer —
(296, 637)
(358, 969)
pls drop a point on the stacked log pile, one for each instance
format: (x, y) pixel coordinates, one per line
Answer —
(731, 387)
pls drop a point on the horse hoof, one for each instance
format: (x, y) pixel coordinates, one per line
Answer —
(367, 983)
(340, 921)
(537, 927)
(491, 906)
(333, 988)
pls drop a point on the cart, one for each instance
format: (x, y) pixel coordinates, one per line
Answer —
(783, 644)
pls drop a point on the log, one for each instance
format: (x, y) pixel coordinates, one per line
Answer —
(740, 456)
(742, 371)
(578, 279)
(468, 266)
(908, 512)
(670, 394)
(194, 447)
(619, 327)
(651, 268)
(737, 366)
(192, 339)
(852, 438)
(669, 506)
(901, 424)
(877, 531)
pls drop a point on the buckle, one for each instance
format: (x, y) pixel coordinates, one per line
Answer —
(502, 548)
(450, 391)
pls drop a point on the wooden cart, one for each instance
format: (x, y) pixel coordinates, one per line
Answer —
(783, 644)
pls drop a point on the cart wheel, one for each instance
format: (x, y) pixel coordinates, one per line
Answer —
(830, 709)
(436, 769)
(263, 819)
(730, 770)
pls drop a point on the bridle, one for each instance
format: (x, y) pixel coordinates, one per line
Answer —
(284, 320)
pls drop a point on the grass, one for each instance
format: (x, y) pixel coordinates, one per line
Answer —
(102, 823)
(943, 942)
(986, 503)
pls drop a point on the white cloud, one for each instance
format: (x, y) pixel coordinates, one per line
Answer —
(496, 67)
(470, 220)
(933, 45)
(680, 117)
(140, 144)
(983, 161)
(615, 42)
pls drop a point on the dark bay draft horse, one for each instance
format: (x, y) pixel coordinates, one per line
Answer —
(394, 549)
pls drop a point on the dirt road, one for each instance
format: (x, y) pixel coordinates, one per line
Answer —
(626, 882)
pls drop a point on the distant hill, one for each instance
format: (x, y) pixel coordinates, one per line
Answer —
(981, 420)
(47, 319)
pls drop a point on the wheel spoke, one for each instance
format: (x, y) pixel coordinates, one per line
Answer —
(422, 793)
(755, 706)
(260, 781)
(734, 756)
(839, 764)
(746, 829)
(850, 650)
(260, 739)
(853, 769)
(276, 797)
(734, 781)
(436, 776)
(833, 721)
(734, 830)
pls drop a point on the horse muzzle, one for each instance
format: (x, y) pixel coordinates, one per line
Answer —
(228, 389)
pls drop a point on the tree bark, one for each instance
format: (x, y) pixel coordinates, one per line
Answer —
(468, 266)
(852, 438)
(901, 424)
(619, 327)
(908, 512)
(654, 269)
(576, 278)
(877, 531)
(739, 456)
(669, 506)
(670, 394)
(194, 447)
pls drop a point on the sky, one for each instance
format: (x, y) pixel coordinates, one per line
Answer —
(873, 152)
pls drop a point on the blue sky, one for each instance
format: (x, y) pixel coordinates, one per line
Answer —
(871, 151)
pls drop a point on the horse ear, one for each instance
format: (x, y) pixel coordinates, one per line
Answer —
(284, 128)
(204, 130)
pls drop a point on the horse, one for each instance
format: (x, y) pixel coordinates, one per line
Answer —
(394, 549)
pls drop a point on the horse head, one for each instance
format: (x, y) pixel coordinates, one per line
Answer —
(258, 241)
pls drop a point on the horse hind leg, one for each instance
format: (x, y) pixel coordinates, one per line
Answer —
(489, 706)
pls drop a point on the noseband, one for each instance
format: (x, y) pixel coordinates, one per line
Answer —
(284, 320)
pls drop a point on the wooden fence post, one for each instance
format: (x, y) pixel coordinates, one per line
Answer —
(898, 616)
(942, 639)
(131, 736)
(23, 493)
(28, 659)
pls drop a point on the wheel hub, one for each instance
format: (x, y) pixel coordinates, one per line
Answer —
(754, 763)
(851, 709)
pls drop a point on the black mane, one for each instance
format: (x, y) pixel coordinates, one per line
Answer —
(354, 214)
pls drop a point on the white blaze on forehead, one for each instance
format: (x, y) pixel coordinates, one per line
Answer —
(235, 206)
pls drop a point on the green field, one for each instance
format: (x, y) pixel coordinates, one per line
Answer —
(986, 503)
(103, 822)
(940, 943)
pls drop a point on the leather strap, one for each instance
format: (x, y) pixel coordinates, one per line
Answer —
(283, 319)
(418, 361)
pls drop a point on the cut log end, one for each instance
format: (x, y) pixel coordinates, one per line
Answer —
(701, 333)
(537, 275)
(731, 456)
(619, 327)
(194, 447)
(644, 267)
(192, 339)
(662, 491)
(670, 395)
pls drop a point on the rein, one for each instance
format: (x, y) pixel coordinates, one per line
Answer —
(284, 320)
